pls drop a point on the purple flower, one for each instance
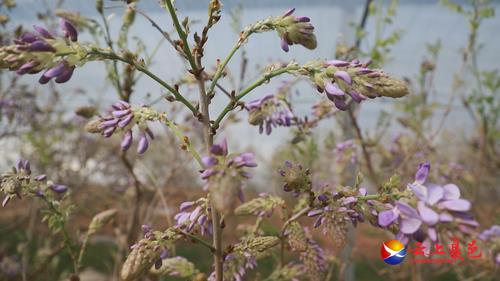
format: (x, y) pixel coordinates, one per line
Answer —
(436, 205)
(43, 47)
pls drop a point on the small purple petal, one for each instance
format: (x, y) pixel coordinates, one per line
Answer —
(143, 144)
(27, 67)
(38, 46)
(419, 190)
(387, 217)
(58, 188)
(406, 210)
(431, 231)
(344, 76)
(338, 63)
(127, 140)
(186, 205)
(434, 193)
(65, 75)
(57, 70)
(289, 12)
(125, 121)
(219, 149)
(68, 29)
(444, 217)
(429, 216)
(209, 161)
(422, 172)
(120, 113)
(459, 205)
(410, 225)
(302, 19)
(284, 44)
(314, 213)
(333, 89)
(451, 191)
(40, 178)
(42, 31)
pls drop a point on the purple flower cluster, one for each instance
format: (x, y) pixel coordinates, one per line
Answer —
(28, 56)
(219, 163)
(236, 265)
(122, 117)
(295, 30)
(151, 236)
(343, 83)
(19, 182)
(267, 113)
(346, 150)
(224, 175)
(194, 214)
(314, 260)
(335, 207)
(492, 235)
(436, 205)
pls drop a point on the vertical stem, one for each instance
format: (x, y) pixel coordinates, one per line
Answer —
(207, 133)
(366, 154)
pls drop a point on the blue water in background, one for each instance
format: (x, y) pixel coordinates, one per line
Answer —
(422, 22)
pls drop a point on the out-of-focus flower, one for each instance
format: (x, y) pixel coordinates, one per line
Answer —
(314, 260)
(492, 237)
(20, 182)
(346, 150)
(34, 52)
(289, 272)
(122, 118)
(244, 256)
(295, 30)
(267, 113)
(334, 211)
(296, 178)
(224, 175)
(491, 233)
(150, 251)
(263, 206)
(291, 29)
(177, 267)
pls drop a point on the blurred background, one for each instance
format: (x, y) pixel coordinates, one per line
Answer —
(450, 119)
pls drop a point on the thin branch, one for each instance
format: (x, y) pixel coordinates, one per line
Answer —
(230, 106)
(139, 67)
